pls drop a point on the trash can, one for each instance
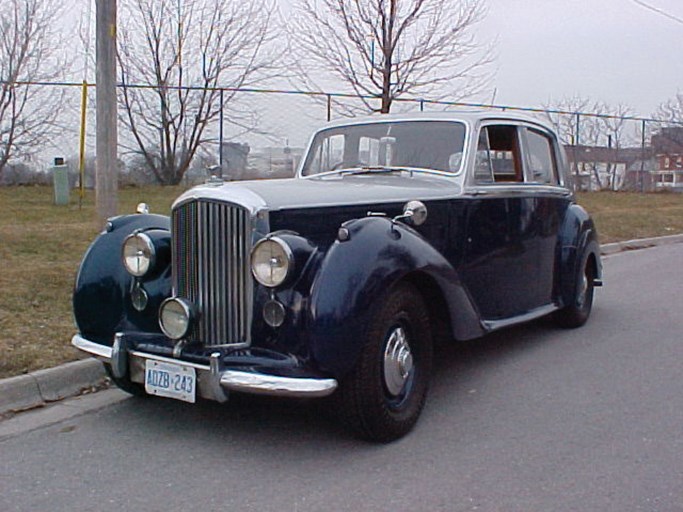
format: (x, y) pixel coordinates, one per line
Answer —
(60, 180)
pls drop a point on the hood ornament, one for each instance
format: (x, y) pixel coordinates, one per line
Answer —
(216, 179)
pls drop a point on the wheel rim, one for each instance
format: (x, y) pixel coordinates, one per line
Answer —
(584, 296)
(583, 291)
(398, 361)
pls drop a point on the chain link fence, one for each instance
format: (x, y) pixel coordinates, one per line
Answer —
(263, 133)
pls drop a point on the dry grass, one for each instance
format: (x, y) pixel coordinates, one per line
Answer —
(623, 216)
(41, 246)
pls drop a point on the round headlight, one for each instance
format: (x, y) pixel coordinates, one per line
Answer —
(271, 261)
(138, 254)
(175, 317)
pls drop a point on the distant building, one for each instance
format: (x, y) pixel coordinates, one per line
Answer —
(241, 162)
(603, 168)
(667, 145)
(234, 158)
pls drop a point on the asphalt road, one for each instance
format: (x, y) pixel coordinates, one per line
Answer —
(531, 419)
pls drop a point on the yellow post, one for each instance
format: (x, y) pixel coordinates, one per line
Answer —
(81, 156)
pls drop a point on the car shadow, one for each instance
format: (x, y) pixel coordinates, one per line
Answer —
(299, 423)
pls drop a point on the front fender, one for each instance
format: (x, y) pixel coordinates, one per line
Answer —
(355, 276)
(100, 299)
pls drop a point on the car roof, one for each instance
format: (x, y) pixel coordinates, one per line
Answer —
(471, 117)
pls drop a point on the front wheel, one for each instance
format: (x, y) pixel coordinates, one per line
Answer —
(577, 312)
(382, 398)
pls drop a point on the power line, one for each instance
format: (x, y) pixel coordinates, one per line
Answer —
(658, 11)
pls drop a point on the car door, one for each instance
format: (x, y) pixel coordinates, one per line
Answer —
(500, 259)
(541, 156)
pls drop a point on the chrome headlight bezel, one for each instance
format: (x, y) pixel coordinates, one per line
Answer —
(184, 311)
(272, 261)
(140, 248)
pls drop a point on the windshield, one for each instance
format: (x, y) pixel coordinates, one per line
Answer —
(433, 145)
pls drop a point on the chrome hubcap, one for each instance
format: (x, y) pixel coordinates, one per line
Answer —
(583, 290)
(398, 361)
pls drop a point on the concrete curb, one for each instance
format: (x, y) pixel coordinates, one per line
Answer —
(44, 386)
(641, 243)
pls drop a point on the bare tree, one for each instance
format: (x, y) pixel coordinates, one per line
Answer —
(671, 110)
(29, 53)
(389, 49)
(185, 51)
(584, 124)
(615, 125)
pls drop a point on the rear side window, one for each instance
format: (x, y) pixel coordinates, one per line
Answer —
(541, 158)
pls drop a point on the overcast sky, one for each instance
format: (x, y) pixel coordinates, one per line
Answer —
(610, 50)
(615, 51)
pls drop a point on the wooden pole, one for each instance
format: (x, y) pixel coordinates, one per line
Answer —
(106, 191)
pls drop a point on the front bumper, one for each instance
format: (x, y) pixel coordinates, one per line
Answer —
(214, 382)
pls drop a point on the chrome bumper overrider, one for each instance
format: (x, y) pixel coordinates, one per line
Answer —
(212, 380)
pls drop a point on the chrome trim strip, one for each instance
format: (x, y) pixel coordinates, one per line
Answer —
(262, 384)
(95, 349)
(492, 325)
(227, 194)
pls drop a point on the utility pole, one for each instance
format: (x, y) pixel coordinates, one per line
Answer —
(106, 190)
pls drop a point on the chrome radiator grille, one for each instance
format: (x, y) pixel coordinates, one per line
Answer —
(211, 246)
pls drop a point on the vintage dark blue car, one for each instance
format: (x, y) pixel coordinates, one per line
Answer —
(397, 231)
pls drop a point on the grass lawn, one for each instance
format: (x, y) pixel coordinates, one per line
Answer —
(41, 246)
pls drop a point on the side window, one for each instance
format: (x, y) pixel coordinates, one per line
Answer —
(542, 165)
(498, 156)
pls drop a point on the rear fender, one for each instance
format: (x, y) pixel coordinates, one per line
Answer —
(357, 273)
(578, 243)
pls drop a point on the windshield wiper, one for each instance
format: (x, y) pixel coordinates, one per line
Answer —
(375, 169)
(370, 169)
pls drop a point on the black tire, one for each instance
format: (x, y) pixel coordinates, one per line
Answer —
(125, 384)
(576, 314)
(383, 396)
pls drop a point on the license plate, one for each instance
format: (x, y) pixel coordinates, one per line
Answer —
(170, 380)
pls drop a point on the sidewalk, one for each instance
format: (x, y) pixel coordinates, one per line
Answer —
(39, 388)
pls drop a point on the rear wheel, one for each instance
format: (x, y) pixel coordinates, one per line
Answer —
(382, 398)
(576, 314)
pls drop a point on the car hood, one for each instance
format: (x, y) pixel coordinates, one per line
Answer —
(296, 193)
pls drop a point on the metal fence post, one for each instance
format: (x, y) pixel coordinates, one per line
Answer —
(220, 135)
(642, 156)
(577, 138)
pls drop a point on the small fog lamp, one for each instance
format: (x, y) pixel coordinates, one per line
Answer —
(175, 317)
(274, 313)
(139, 297)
